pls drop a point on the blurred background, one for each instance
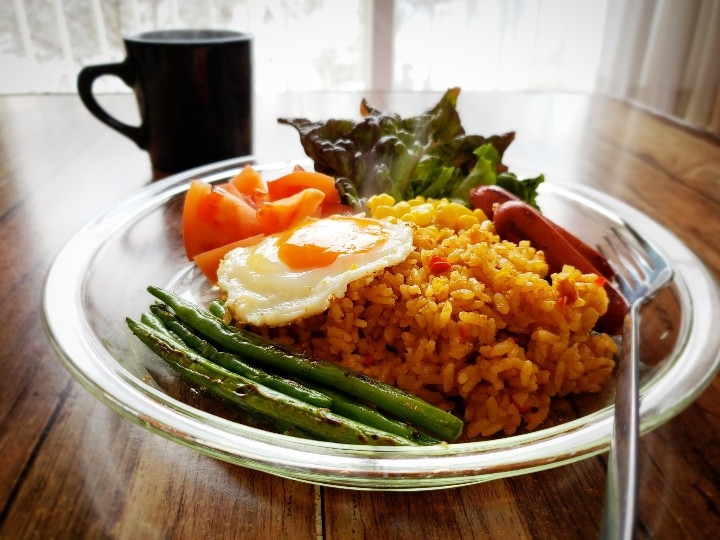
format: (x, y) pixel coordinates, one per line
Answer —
(662, 54)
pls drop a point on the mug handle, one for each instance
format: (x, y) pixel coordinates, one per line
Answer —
(85, 80)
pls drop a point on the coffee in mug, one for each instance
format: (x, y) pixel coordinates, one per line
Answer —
(194, 93)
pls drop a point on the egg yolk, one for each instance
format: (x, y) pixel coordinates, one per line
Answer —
(319, 243)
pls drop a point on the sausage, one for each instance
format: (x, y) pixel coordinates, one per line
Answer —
(487, 198)
(517, 220)
(593, 256)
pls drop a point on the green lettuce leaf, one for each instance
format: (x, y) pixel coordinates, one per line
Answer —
(484, 173)
(524, 189)
(427, 155)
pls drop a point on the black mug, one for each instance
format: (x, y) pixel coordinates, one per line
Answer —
(194, 92)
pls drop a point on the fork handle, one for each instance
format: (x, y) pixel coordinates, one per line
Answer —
(620, 511)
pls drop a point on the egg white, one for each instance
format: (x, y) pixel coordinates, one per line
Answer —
(262, 290)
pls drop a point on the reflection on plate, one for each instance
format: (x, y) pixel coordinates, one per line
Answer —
(101, 275)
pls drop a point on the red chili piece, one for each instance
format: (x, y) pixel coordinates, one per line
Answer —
(524, 408)
(438, 264)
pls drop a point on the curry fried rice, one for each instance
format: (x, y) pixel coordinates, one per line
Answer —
(468, 322)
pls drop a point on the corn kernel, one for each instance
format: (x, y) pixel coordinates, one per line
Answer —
(383, 211)
(401, 208)
(464, 222)
(383, 199)
(480, 215)
(446, 215)
(422, 215)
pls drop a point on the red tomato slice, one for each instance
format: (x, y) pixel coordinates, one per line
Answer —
(278, 215)
(208, 261)
(192, 237)
(296, 181)
(213, 217)
(249, 182)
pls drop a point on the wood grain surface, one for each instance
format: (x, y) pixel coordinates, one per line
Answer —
(73, 468)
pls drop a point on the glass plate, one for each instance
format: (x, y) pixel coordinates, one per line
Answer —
(101, 275)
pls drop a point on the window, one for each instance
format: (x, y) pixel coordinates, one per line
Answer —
(298, 44)
(661, 54)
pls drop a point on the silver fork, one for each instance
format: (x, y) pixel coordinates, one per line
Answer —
(640, 272)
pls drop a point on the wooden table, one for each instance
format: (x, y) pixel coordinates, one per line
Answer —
(72, 468)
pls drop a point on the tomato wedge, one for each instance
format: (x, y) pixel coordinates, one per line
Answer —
(239, 212)
(278, 215)
(296, 181)
(209, 261)
(213, 217)
(250, 182)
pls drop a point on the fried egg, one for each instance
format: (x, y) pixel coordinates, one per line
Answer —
(296, 273)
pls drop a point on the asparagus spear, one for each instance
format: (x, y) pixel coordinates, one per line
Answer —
(259, 399)
(154, 322)
(348, 407)
(235, 364)
(337, 402)
(388, 398)
(217, 309)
